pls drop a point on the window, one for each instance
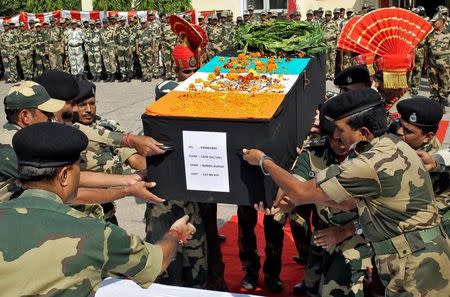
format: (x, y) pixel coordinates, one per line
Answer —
(266, 4)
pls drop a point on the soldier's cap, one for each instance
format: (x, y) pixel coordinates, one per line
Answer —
(151, 13)
(162, 14)
(62, 21)
(46, 22)
(437, 16)
(263, 12)
(214, 17)
(444, 10)
(164, 87)
(421, 8)
(239, 18)
(337, 10)
(98, 21)
(365, 6)
(349, 10)
(246, 12)
(328, 12)
(342, 9)
(310, 11)
(74, 21)
(112, 17)
(184, 57)
(122, 18)
(52, 19)
(415, 10)
(46, 145)
(351, 102)
(31, 21)
(326, 126)
(224, 14)
(250, 7)
(59, 85)
(420, 111)
(37, 24)
(29, 94)
(320, 9)
(12, 24)
(352, 75)
(142, 20)
(91, 22)
(87, 90)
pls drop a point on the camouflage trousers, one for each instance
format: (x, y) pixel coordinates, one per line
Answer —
(109, 59)
(439, 77)
(189, 267)
(424, 272)
(147, 60)
(301, 228)
(94, 60)
(339, 272)
(9, 63)
(26, 62)
(41, 63)
(416, 73)
(55, 59)
(169, 66)
(76, 59)
(125, 60)
(331, 62)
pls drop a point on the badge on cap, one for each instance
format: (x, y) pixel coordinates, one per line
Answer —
(312, 174)
(413, 117)
(349, 79)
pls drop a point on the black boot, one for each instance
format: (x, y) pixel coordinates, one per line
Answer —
(300, 289)
(273, 283)
(113, 77)
(128, 78)
(123, 78)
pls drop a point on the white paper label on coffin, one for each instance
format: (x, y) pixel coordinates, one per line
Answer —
(206, 161)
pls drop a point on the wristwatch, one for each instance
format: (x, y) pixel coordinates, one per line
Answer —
(358, 227)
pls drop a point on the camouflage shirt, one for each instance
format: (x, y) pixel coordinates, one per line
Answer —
(123, 37)
(9, 187)
(50, 249)
(168, 38)
(331, 31)
(438, 43)
(107, 37)
(9, 42)
(92, 39)
(392, 189)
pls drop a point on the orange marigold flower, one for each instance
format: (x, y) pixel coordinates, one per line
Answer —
(217, 70)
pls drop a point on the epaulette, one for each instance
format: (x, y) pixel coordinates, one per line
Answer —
(315, 141)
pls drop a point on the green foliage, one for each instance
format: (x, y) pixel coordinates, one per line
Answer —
(35, 6)
(169, 6)
(120, 5)
(282, 36)
(11, 7)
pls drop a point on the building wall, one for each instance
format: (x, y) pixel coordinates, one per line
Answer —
(236, 6)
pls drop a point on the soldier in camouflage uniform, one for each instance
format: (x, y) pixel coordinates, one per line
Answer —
(145, 48)
(155, 26)
(76, 251)
(74, 48)
(92, 46)
(8, 43)
(215, 36)
(438, 53)
(168, 41)
(124, 56)
(419, 123)
(228, 28)
(108, 50)
(55, 46)
(41, 49)
(382, 178)
(26, 45)
(134, 32)
(331, 32)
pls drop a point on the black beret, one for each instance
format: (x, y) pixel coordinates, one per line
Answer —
(326, 126)
(420, 111)
(48, 144)
(87, 90)
(59, 85)
(353, 75)
(351, 102)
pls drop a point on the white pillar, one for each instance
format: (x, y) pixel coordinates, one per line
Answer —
(86, 5)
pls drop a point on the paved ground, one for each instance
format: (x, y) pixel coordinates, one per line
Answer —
(125, 102)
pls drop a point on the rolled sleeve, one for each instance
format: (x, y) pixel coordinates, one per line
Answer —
(327, 181)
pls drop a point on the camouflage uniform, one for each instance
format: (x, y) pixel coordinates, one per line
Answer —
(438, 48)
(74, 48)
(146, 43)
(55, 47)
(123, 42)
(168, 41)
(157, 33)
(92, 47)
(41, 49)
(441, 186)
(108, 49)
(341, 271)
(397, 211)
(331, 32)
(134, 32)
(215, 40)
(9, 186)
(190, 266)
(416, 74)
(75, 252)
(8, 49)
(26, 46)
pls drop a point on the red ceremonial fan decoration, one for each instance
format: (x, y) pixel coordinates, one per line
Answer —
(185, 32)
(391, 34)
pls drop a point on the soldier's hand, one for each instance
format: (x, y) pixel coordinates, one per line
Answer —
(330, 237)
(131, 179)
(428, 161)
(284, 204)
(145, 145)
(140, 190)
(252, 156)
(185, 228)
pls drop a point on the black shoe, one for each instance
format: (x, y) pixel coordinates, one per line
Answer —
(300, 289)
(273, 283)
(249, 282)
(299, 260)
(143, 79)
(113, 78)
(128, 78)
(222, 238)
(124, 78)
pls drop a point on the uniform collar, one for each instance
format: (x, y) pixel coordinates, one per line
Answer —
(11, 127)
(432, 147)
(44, 194)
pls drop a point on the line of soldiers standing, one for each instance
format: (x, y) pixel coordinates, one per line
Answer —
(98, 47)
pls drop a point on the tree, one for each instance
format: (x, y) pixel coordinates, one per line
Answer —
(169, 6)
(120, 5)
(11, 7)
(34, 6)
